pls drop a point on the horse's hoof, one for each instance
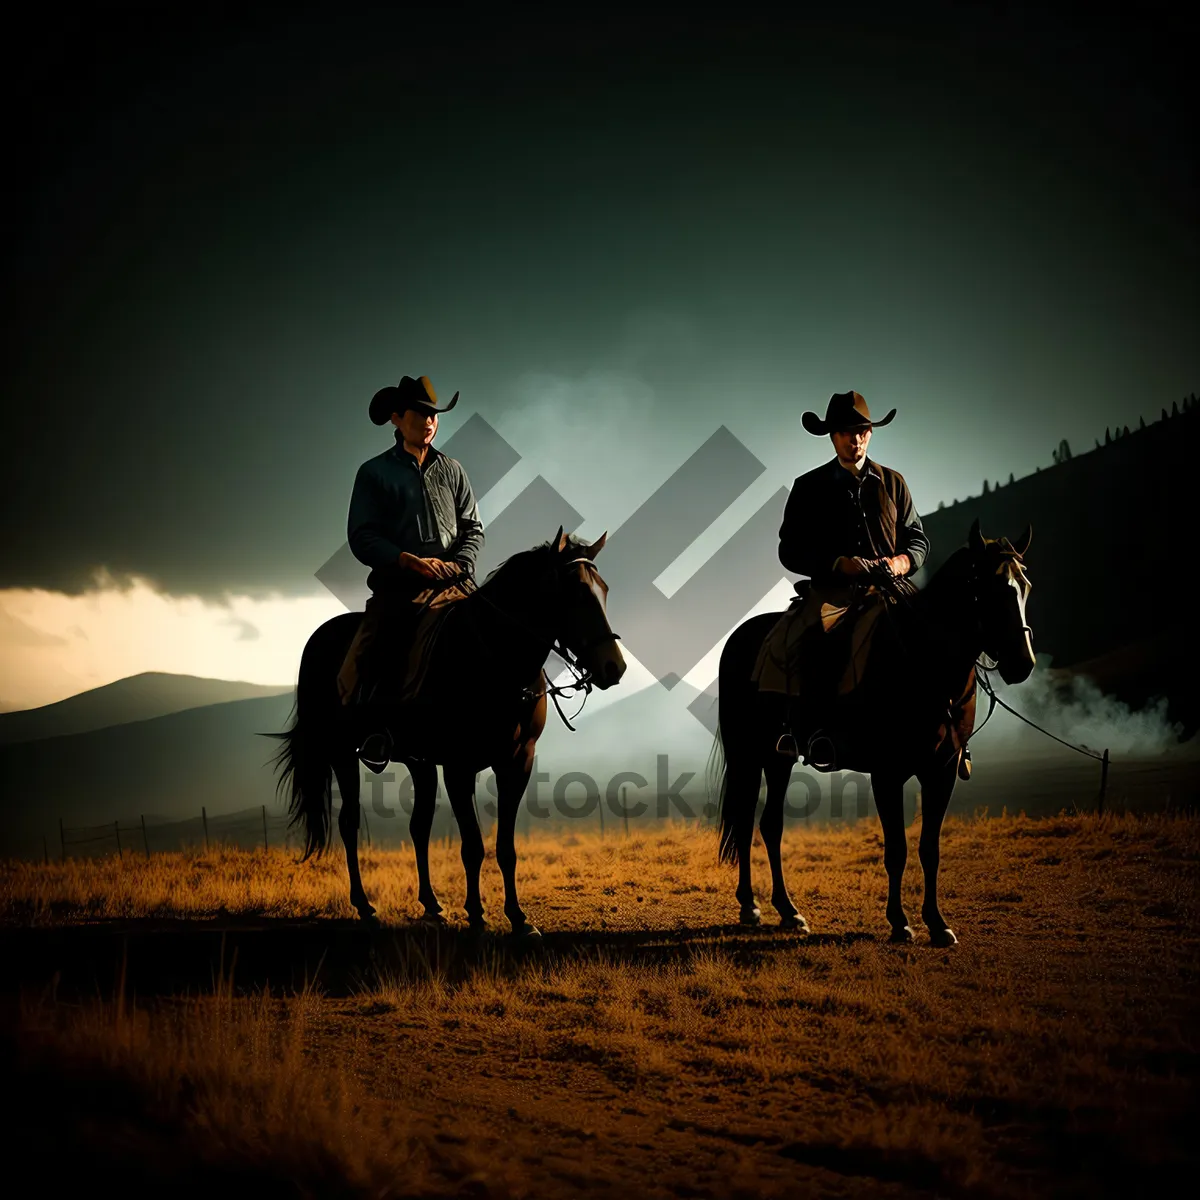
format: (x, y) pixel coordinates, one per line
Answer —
(795, 922)
(751, 915)
(478, 927)
(432, 917)
(902, 935)
(941, 938)
(527, 932)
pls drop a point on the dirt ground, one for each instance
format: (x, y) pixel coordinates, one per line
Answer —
(219, 1020)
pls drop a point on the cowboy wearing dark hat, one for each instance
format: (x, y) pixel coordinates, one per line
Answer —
(414, 521)
(848, 525)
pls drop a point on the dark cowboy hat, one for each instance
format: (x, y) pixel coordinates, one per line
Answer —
(409, 393)
(847, 410)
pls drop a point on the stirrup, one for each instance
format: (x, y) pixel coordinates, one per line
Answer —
(964, 764)
(785, 744)
(375, 753)
(821, 753)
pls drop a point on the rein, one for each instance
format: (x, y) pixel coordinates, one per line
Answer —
(582, 677)
(887, 584)
(982, 672)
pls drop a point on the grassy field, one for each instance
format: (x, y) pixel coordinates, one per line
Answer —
(650, 1047)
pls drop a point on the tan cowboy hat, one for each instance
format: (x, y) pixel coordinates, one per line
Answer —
(409, 393)
(846, 410)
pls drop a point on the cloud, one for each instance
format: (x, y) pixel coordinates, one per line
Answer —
(15, 632)
(54, 645)
(246, 631)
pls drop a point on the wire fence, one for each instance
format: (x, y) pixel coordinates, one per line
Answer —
(246, 829)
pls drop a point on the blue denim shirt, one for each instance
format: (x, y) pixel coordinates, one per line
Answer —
(427, 509)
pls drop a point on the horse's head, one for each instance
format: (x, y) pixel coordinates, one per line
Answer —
(996, 576)
(583, 626)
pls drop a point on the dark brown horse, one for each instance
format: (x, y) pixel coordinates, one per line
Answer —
(483, 704)
(907, 717)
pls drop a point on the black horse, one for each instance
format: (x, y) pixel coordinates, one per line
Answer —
(910, 716)
(483, 704)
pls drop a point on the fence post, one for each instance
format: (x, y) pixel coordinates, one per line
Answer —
(1103, 781)
(117, 831)
(264, 808)
(145, 840)
(204, 818)
(62, 839)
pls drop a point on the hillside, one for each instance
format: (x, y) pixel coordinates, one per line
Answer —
(1105, 562)
(136, 698)
(169, 766)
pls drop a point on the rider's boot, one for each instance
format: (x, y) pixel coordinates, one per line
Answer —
(375, 748)
(820, 746)
(797, 720)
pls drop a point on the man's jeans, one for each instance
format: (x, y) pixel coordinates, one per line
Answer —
(389, 620)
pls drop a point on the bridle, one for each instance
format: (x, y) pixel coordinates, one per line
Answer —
(583, 679)
(982, 668)
(887, 584)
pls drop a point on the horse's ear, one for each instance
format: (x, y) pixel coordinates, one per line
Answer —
(1021, 545)
(597, 545)
(560, 542)
(975, 537)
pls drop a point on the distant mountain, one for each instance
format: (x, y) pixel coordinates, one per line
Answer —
(168, 766)
(136, 698)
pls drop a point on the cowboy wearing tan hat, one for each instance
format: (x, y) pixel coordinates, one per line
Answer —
(846, 524)
(414, 521)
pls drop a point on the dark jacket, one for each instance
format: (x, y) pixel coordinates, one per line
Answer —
(829, 514)
(425, 508)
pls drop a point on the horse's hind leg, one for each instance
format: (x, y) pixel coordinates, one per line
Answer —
(889, 801)
(345, 768)
(742, 780)
(937, 786)
(424, 777)
(460, 787)
(770, 825)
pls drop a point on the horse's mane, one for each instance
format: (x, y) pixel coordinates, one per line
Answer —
(955, 568)
(524, 559)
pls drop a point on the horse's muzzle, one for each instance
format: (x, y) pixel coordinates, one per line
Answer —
(612, 673)
(1017, 667)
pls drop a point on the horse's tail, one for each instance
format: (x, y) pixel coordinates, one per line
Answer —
(717, 786)
(304, 762)
(735, 768)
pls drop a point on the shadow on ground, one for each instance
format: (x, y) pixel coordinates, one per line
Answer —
(337, 958)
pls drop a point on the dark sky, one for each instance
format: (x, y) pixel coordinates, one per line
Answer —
(609, 236)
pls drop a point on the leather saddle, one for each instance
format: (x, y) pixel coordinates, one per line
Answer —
(390, 706)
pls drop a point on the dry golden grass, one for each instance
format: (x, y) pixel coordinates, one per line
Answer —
(1052, 1051)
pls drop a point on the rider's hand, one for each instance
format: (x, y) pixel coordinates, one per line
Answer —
(901, 564)
(443, 569)
(421, 565)
(853, 566)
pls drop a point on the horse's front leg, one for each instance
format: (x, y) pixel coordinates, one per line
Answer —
(889, 802)
(345, 768)
(424, 777)
(770, 826)
(512, 778)
(460, 787)
(937, 786)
